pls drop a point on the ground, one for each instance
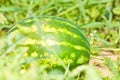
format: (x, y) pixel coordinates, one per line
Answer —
(99, 62)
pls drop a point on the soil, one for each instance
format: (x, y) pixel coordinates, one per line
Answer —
(99, 63)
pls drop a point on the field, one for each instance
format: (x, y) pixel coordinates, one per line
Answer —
(98, 19)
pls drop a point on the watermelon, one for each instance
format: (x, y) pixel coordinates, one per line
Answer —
(49, 40)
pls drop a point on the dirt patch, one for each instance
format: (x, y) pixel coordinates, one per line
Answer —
(99, 62)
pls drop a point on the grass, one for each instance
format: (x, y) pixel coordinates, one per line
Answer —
(99, 19)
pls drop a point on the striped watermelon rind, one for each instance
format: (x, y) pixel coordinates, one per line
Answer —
(53, 40)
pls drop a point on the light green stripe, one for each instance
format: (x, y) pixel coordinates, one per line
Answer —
(54, 43)
(52, 29)
(48, 28)
(77, 47)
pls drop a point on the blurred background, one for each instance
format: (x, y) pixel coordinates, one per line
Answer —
(99, 19)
